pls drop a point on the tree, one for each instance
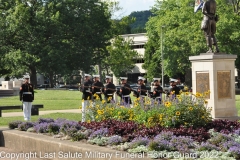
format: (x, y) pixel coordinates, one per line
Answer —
(53, 36)
(121, 56)
(182, 34)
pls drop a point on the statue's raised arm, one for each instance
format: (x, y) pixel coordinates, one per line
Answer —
(209, 24)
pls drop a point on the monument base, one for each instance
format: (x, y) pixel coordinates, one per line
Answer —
(228, 118)
(215, 72)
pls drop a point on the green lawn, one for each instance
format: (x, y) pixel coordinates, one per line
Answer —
(51, 99)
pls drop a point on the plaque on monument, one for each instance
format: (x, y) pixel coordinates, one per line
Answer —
(202, 82)
(224, 84)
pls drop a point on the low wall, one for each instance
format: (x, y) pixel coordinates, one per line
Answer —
(46, 147)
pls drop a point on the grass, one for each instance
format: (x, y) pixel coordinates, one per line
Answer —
(4, 121)
(51, 99)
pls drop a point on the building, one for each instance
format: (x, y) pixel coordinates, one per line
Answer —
(139, 41)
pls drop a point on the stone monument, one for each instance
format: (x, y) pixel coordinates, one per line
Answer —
(215, 71)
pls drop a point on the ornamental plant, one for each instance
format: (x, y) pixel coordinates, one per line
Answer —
(186, 110)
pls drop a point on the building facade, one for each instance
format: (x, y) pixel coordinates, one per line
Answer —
(139, 41)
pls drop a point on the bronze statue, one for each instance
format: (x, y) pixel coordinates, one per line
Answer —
(209, 24)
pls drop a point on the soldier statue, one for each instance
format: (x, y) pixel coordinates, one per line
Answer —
(209, 24)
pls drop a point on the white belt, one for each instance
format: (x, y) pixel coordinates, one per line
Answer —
(158, 97)
(98, 92)
(109, 94)
(142, 96)
(126, 96)
(27, 92)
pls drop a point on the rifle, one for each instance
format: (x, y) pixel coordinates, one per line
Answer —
(97, 87)
(110, 89)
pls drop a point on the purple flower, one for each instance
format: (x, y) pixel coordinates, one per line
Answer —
(41, 127)
(206, 146)
(45, 120)
(114, 140)
(220, 138)
(237, 131)
(66, 125)
(99, 133)
(181, 142)
(53, 127)
(139, 141)
(25, 125)
(235, 150)
(225, 146)
(164, 135)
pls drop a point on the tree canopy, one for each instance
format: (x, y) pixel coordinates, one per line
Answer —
(52, 36)
(182, 36)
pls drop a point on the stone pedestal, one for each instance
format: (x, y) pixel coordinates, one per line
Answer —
(216, 72)
(17, 84)
(7, 84)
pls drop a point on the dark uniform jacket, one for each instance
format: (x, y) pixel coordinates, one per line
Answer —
(126, 91)
(175, 89)
(158, 89)
(26, 92)
(141, 91)
(110, 89)
(97, 89)
(86, 89)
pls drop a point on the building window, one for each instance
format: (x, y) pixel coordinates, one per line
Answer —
(139, 60)
(137, 46)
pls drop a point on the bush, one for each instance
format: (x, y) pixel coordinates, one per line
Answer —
(14, 124)
(183, 110)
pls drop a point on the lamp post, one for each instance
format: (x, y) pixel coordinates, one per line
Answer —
(162, 55)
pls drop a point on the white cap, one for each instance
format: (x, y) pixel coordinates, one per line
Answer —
(87, 75)
(141, 78)
(108, 77)
(96, 76)
(26, 77)
(157, 79)
(123, 78)
(173, 80)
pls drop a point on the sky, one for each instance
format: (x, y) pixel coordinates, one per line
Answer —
(129, 6)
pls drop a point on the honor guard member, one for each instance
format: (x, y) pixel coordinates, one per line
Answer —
(109, 89)
(125, 92)
(87, 95)
(141, 90)
(97, 87)
(27, 97)
(174, 90)
(157, 90)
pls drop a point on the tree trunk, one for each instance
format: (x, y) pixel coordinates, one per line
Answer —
(33, 76)
(51, 79)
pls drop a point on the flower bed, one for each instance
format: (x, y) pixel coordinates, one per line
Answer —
(185, 109)
(178, 128)
(156, 141)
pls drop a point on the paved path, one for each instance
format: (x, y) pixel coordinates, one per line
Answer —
(14, 114)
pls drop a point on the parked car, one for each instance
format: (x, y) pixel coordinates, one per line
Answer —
(182, 87)
(73, 88)
(43, 86)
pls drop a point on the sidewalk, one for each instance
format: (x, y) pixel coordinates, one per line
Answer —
(14, 114)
